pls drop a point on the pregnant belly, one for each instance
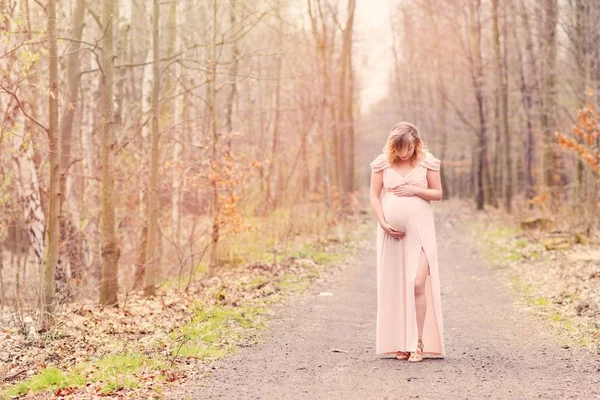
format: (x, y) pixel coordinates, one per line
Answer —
(398, 211)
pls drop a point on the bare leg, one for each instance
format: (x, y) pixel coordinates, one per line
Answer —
(420, 298)
(420, 304)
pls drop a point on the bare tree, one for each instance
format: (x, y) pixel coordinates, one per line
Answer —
(502, 82)
(52, 229)
(547, 117)
(110, 249)
(153, 208)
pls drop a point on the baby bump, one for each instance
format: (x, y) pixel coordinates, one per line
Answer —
(399, 210)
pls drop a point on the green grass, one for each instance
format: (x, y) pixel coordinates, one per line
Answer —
(327, 258)
(259, 281)
(524, 289)
(49, 378)
(500, 246)
(521, 242)
(209, 335)
(294, 282)
(313, 273)
(115, 371)
(213, 331)
(541, 301)
(494, 243)
(119, 370)
(181, 281)
(565, 323)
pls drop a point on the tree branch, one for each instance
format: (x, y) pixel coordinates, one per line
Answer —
(14, 96)
(459, 113)
(19, 46)
(93, 14)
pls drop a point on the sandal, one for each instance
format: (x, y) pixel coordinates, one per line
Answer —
(417, 356)
(402, 355)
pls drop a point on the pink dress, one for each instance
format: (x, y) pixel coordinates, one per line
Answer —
(397, 262)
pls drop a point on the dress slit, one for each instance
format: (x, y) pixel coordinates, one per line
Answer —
(430, 312)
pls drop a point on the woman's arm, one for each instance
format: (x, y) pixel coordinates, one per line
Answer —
(434, 191)
(376, 186)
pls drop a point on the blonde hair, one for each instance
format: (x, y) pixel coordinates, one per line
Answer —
(402, 135)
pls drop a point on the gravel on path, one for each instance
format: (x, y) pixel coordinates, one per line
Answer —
(323, 346)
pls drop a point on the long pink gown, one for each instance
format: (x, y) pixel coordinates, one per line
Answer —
(397, 262)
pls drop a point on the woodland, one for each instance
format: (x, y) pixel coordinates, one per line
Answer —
(151, 151)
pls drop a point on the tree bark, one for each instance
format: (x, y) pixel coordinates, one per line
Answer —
(477, 78)
(73, 84)
(274, 174)
(52, 229)
(72, 79)
(151, 258)
(345, 117)
(550, 20)
(502, 82)
(233, 72)
(527, 100)
(212, 107)
(110, 249)
(177, 131)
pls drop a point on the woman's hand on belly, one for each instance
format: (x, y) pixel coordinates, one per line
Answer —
(390, 230)
(405, 190)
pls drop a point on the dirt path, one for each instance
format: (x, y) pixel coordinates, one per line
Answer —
(493, 350)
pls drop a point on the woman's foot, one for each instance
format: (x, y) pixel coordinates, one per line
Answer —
(417, 356)
(402, 355)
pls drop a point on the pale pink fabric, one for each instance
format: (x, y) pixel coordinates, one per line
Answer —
(397, 262)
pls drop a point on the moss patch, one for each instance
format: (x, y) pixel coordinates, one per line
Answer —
(50, 378)
(213, 332)
(113, 371)
(538, 277)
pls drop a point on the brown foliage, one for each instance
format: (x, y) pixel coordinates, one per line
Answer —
(585, 139)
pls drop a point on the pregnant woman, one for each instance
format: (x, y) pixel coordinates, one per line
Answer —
(409, 309)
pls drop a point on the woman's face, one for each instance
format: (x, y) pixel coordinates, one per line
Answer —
(408, 152)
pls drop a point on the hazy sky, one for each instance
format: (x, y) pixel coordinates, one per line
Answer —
(373, 57)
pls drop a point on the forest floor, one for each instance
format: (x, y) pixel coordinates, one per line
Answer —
(519, 322)
(321, 343)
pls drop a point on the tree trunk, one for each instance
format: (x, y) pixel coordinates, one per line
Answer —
(52, 230)
(151, 259)
(274, 174)
(66, 128)
(501, 78)
(72, 79)
(526, 89)
(477, 78)
(324, 167)
(28, 191)
(110, 249)
(581, 81)
(212, 107)
(233, 72)
(177, 131)
(344, 121)
(550, 20)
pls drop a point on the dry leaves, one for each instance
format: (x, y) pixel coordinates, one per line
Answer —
(86, 331)
(559, 283)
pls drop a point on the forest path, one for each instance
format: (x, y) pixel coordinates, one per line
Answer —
(493, 349)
